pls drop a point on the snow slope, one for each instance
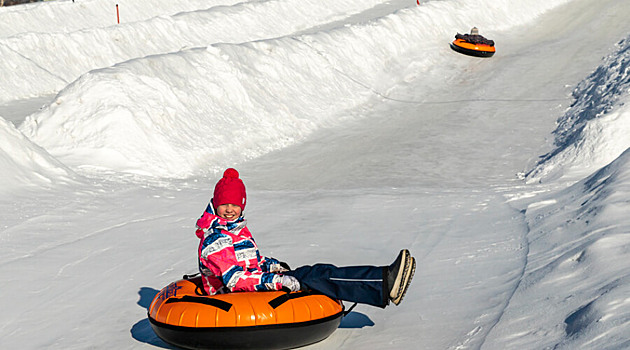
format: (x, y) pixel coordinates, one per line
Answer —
(596, 129)
(576, 266)
(357, 131)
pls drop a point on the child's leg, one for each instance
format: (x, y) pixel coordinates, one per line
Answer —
(359, 284)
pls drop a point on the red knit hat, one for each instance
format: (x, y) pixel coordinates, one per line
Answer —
(230, 190)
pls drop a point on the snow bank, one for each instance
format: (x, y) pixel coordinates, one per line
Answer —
(189, 112)
(22, 162)
(596, 129)
(64, 16)
(66, 54)
(578, 265)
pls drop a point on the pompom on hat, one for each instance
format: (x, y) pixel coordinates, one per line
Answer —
(230, 190)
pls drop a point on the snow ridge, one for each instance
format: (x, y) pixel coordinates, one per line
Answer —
(593, 131)
(576, 239)
(209, 90)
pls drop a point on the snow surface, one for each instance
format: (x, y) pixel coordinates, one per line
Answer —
(358, 132)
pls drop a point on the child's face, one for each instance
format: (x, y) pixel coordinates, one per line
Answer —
(229, 211)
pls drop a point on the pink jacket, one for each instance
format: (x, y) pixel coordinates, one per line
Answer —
(229, 260)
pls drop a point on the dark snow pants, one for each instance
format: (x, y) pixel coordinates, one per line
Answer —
(358, 284)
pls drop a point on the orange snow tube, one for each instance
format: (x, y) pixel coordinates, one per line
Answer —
(479, 50)
(181, 314)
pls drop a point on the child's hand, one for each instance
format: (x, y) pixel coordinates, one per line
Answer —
(279, 268)
(291, 282)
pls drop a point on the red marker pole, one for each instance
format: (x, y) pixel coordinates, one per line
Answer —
(117, 14)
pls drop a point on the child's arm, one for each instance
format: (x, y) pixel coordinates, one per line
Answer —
(219, 256)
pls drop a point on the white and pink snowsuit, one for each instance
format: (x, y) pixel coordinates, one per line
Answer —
(229, 260)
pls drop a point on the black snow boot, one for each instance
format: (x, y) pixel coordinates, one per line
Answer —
(399, 275)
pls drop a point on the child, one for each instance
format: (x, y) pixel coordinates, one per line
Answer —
(229, 260)
(474, 37)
